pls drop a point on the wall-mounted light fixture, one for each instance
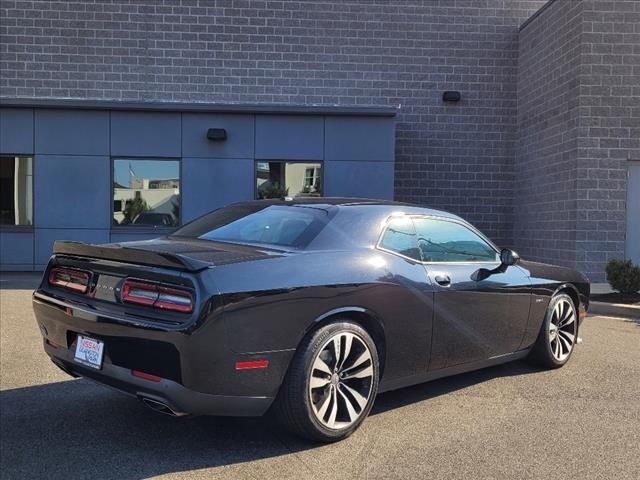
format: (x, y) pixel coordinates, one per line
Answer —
(217, 134)
(451, 96)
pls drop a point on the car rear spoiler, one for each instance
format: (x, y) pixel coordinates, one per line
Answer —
(129, 255)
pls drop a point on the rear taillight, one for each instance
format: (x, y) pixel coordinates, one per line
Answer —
(76, 280)
(157, 296)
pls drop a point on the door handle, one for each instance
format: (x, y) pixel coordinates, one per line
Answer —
(443, 279)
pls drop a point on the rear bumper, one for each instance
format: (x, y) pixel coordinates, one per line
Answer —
(196, 369)
(178, 399)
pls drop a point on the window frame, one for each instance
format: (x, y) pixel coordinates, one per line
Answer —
(273, 160)
(145, 229)
(24, 228)
(462, 223)
(315, 175)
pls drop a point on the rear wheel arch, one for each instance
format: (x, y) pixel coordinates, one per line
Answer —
(368, 320)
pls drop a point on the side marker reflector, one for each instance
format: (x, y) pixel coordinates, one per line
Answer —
(251, 365)
(145, 376)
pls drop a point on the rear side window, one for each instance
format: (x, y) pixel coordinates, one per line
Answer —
(445, 241)
(400, 237)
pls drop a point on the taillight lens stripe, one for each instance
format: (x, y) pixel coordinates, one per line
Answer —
(76, 280)
(157, 296)
(174, 299)
(138, 292)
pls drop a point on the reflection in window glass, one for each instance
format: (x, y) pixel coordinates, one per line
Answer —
(291, 226)
(288, 179)
(16, 191)
(146, 193)
(443, 241)
(400, 237)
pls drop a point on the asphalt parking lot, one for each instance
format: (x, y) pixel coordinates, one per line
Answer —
(511, 421)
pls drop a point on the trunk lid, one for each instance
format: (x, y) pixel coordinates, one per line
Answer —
(165, 265)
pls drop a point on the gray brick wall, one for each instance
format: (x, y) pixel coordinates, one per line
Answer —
(457, 157)
(579, 124)
(609, 128)
(548, 111)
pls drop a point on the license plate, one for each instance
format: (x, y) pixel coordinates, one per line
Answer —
(89, 352)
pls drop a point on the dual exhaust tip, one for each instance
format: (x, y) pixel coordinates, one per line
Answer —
(161, 407)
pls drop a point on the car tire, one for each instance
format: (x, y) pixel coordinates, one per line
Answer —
(558, 334)
(331, 383)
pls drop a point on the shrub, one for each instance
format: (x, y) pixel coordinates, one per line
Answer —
(272, 190)
(623, 276)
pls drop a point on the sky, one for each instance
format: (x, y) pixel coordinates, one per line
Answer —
(152, 169)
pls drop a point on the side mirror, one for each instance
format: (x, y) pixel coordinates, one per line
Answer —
(509, 257)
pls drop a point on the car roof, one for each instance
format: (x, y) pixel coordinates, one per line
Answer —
(325, 201)
(320, 202)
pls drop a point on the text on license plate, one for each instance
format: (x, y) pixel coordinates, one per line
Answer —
(89, 352)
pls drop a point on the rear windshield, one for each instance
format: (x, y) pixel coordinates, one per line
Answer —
(287, 226)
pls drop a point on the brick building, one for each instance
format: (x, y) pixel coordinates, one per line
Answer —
(542, 151)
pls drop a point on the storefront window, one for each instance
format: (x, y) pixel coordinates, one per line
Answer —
(288, 179)
(16, 190)
(146, 193)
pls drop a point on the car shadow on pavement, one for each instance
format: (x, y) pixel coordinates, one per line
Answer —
(79, 429)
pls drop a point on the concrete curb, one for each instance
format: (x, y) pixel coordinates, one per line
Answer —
(614, 310)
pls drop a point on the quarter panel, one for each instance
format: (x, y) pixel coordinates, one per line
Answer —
(270, 304)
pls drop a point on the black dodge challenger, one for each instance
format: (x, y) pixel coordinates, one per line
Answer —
(307, 307)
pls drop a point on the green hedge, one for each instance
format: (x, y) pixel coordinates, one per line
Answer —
(623, 276)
